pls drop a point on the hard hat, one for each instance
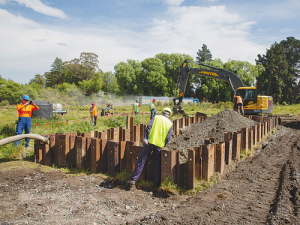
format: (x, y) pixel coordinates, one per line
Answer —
(153, 100)
(167, 110)
(26, 97)
(137, 100)
(93, 103)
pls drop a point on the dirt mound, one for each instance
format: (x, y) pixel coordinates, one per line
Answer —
(213, 127)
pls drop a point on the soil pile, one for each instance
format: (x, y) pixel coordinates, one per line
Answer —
(213, 127)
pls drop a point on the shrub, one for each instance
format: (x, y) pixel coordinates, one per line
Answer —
(4, 103)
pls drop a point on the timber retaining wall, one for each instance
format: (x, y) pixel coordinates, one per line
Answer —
(117, 149)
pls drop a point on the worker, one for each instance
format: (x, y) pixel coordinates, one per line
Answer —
(239, 103)
(136, 107)
(24, 122)
(94, 113)
(152, 109)
(157, 134)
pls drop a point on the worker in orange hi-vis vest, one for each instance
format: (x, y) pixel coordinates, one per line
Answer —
(239, 102)
(94, 113)
(24, 122)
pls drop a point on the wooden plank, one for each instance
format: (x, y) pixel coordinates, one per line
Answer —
(191, 169)
(236, 146)
(169, 162)
(80, 149)
(95, 155)
(208, 156)
(220, 155)
(113, 157)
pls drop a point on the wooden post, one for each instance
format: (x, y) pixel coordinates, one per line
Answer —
(236, 146)
(95, 155)
(103, 155)
(228, 152)
(63, 149)
(220, 162)
(80, 148)
(169, 162)
(113, 157)
(191, 169)
(208, 161)
(245, 139)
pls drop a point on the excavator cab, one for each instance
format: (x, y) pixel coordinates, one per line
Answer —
(253, 103)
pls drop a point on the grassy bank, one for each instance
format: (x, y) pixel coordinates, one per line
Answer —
(77, 120)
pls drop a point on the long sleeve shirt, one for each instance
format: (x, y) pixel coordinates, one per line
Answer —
(26, 110)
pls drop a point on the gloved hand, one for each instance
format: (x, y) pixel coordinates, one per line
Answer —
(146, 141)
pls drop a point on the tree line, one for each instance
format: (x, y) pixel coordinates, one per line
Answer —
(276, 73)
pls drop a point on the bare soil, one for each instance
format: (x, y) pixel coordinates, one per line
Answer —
(263, 189)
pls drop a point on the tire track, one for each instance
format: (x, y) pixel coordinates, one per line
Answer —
(285, 206)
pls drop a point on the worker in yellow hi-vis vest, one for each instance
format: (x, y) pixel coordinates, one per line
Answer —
(136, 107)
(157, 135)
(94, 113)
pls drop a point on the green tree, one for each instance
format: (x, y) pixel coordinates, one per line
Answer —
(55, 76)
(91, 86)
(11, 91)
(203, 55)
(153, 77)
(38, 79)
(110, 83)
(128, 76)
(281, 76)
(172, 63)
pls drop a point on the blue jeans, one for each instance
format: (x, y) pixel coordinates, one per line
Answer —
(24, 123)
(146, 151)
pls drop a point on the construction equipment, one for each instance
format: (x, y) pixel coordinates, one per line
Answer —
(105, 111)
(253, 103)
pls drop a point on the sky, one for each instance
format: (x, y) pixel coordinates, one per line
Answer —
(34, 32)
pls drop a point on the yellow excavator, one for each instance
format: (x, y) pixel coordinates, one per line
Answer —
(253, 102)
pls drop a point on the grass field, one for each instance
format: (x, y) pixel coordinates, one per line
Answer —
(77, 120)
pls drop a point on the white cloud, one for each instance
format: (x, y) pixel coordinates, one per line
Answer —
(28, 48)
(40, 7)
(174, 2)
(186, 28)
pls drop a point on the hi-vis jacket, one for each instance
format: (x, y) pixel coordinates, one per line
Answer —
(26, 111)
(136, 107)
(161, 131)
(239, 100)
(151, 106)
(94, 111)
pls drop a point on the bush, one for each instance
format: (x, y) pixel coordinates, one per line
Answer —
(159, 103)
(4, 103)
(7, 131)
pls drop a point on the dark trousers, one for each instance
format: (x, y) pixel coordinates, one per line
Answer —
(24, 123)
(153, 113)
(94, 119)
(146, 151)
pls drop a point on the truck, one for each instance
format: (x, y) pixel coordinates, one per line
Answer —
(253, 102)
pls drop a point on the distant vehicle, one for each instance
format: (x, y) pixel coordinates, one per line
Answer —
(58, 109)
(196, 100)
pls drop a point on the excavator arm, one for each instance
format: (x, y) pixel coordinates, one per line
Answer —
(216, 73)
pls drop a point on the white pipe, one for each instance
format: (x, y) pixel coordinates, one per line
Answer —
(23, 136)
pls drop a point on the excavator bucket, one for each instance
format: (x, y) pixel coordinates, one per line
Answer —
(177, 108)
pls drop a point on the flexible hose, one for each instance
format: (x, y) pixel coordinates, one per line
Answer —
(23, 136)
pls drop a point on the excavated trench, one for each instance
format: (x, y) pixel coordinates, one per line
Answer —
(213, 127)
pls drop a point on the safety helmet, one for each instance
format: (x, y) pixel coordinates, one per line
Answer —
(137, 100)
(93, 103)
(167, 110)
(25, 97)
(153, 100)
